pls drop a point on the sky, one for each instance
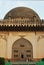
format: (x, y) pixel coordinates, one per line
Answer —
(7, 5)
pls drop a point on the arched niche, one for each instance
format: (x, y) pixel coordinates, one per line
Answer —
(22, 49)
(2, 48)
(40, 48)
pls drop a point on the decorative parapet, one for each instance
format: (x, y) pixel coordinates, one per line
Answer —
(21, 22)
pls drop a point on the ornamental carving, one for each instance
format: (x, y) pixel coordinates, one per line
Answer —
(4, 36)
(40, 37)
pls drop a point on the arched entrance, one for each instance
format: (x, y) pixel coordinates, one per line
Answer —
(22, 49)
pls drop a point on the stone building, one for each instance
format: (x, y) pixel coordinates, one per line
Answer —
(22, 35)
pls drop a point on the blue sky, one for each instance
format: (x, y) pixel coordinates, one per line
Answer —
(7, 5)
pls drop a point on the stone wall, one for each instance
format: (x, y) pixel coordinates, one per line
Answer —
(8, 38)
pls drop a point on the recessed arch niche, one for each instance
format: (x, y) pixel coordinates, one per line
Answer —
(22, 49)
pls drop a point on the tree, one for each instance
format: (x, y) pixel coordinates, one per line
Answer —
(2, 61)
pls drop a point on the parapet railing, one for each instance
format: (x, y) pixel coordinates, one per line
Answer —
(22, 22)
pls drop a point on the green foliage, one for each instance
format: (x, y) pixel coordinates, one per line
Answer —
(40, 63)
(42, 59)
(2, 61)
(8, 63)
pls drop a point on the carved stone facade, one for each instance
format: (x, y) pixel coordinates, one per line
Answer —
(21, 37)
(7, 40)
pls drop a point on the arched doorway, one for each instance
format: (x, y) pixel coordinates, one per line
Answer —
(22, 49)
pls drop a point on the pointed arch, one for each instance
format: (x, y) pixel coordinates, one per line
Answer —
(22, 47)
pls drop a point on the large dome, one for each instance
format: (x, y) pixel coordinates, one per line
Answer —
(21, 12)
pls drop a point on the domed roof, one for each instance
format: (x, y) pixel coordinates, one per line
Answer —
(22, 12)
